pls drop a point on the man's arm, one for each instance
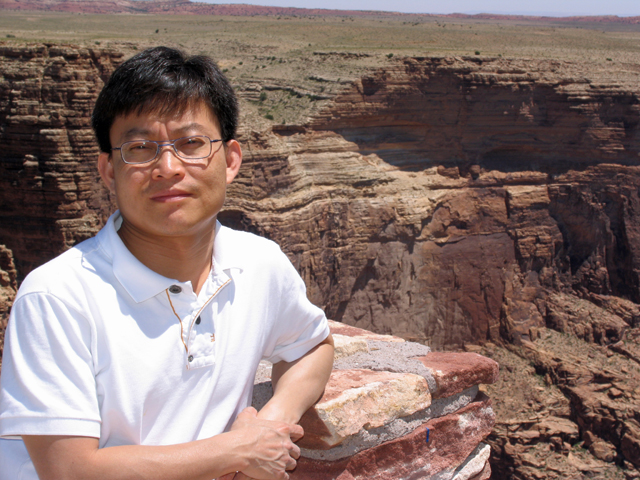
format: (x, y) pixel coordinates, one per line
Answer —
(262, 448)
(296, 387)
(299, 384)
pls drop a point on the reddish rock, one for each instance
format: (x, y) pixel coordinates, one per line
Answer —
(50, 194)
(630, 442)
(452, 438)
(455, 372)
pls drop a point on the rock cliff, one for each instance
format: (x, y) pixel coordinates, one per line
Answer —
(50, 197)
(449, 201)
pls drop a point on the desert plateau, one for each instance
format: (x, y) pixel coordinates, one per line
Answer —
(466, 183)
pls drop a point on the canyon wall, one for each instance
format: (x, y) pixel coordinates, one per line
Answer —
(50, 193)
(449, 201)
(437, 199)
(443, 199)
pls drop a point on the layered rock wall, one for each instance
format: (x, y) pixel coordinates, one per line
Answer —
(50, 194)
(442, 199)
(448, 201)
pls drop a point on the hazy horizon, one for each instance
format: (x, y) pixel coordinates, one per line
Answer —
(622, 8)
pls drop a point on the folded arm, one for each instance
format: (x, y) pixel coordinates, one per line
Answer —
(299, 384)
(262, 448)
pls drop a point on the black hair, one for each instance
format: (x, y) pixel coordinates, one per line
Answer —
(165, 81)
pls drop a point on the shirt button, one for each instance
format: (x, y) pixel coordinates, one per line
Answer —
(190, 358)
(198, 320)
(175, 289)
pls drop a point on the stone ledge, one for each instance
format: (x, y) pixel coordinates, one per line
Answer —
(383, 394)
(455, 372)
(355, 332)
(452, 439)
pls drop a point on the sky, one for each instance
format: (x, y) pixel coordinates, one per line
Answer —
(514, 7)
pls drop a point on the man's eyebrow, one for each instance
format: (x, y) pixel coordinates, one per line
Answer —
(135, 132)
(190, 127)
(144, 132)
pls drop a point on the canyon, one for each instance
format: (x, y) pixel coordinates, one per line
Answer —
(474, 203)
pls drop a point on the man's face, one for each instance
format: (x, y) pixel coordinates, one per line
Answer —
(169, 197)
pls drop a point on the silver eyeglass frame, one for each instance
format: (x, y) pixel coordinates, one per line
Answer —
(172, 144)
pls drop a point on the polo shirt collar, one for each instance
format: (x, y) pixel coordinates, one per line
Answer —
(140, 281)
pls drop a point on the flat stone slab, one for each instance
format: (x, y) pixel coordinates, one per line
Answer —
(452, 440)
(361, 399)
(455, 372)
(349, 331)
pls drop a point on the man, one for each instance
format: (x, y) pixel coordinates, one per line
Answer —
(133, 354)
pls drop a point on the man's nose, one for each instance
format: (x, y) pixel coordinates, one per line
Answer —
(168, 163)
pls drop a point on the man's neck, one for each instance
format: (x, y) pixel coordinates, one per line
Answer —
(184, 258)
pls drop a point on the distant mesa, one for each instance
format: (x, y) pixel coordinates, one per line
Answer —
(186, 7)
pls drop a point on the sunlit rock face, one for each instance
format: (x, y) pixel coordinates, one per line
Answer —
(395, 410)
(442, 200)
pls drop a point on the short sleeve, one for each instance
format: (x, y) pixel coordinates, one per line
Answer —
(300, 325)
(48, 380)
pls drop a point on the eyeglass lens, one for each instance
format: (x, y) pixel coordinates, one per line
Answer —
(189, 148)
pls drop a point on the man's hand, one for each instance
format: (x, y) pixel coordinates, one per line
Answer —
(272, 450)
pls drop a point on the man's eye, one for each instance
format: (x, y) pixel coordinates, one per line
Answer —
(193, 142)
(141, 146)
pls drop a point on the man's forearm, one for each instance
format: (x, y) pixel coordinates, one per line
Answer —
(258, 446)
(298, 385)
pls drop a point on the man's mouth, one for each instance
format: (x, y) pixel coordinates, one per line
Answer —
(167, 196)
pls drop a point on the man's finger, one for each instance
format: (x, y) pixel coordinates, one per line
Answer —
(291, 464)
(295, 452)
(249, 411)
(296, 433)
(228, 476)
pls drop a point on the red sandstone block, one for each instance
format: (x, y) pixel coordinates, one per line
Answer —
(349, 331)
(455, 372)
(452, 439)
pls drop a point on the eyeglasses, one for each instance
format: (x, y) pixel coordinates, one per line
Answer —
(190, 149)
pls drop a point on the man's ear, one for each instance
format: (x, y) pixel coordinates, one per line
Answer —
(105, 167)
(234, 159)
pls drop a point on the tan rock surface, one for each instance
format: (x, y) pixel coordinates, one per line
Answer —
(357, 399)
(452, 439)
(8, 289)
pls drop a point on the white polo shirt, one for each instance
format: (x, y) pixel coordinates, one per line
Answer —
(99, 345)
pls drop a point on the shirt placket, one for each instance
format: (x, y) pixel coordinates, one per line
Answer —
(188, 310)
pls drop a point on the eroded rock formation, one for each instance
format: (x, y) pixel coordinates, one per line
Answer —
(452, 201)
(442, 199)
(50, 196)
